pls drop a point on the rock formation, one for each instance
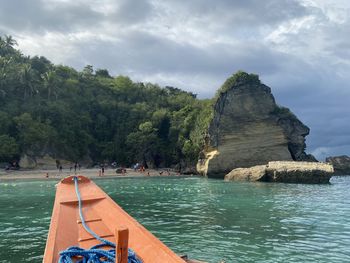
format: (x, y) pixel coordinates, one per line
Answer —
(47, 162)
(41, 162)
(284, 172)
(27, 162)
(341, 164)
(251, 174)
(248, 128)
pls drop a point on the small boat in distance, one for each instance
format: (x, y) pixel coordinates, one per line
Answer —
(106, 219)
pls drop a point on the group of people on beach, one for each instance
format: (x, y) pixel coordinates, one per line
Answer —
(59, 167)
(101, 171)
(76, 166)
(121, 170)
(12, 166)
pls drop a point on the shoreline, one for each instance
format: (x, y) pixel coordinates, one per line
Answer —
(92, 173)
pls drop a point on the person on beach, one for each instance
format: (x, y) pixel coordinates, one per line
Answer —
(103, 170)
(136, 166)
(60, 169)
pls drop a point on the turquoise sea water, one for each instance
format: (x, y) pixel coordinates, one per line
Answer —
(207, 219)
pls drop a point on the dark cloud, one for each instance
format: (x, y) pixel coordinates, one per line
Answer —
(241, 13)
(321, 101)
(337, 42)
(131, 12)
(46, 16)
(40, 16)
(152, 54)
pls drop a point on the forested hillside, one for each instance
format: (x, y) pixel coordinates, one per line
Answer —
(89, 114)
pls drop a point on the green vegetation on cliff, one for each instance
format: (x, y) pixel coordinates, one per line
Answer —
(56, 110)
(237, 78)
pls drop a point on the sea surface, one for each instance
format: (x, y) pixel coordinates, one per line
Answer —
(206, 219)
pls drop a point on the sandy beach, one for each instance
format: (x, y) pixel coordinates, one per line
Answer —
(94, 173)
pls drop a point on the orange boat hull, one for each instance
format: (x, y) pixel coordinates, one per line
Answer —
(103, 216)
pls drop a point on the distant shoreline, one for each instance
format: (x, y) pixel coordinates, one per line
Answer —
(93, 173)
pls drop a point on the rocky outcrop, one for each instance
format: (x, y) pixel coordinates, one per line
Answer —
(298, 172)
(341, 164)
(42, 162)
(284, 172)
(251, 174)
(248, 128)
(27, 162)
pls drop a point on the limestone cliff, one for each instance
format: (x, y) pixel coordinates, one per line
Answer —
(248, 128)
(341, 164)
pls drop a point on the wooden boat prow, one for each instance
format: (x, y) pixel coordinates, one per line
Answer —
(103, 216)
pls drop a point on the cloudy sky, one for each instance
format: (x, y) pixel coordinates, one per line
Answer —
(300, 48)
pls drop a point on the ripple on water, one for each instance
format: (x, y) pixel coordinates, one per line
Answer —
(206, 219)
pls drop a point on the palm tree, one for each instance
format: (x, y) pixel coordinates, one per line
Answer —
(7, 45)
(4, 64)
(26, 76)
(10, 42)
(50, 82)
(2, 46)
(2, 83)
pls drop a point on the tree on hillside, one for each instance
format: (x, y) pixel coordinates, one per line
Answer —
(50, 83)
(142, 144)
(76, 115)
(8, 148)
(10, 42)
(102, 73)
(7, 44)
(27, 81)
(34, 136)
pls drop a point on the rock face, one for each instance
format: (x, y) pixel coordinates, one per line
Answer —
(251, 174)
(341, 164)
(27, 162)
(284, 172)
(248, 128)
(41, 162)
(298, 172)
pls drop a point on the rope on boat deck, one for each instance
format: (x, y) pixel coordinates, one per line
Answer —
(94, 254)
